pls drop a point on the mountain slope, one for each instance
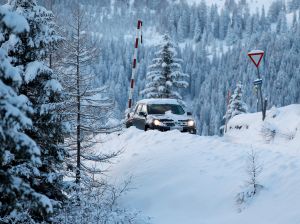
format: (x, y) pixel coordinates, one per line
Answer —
(182, 178)
(253, 4)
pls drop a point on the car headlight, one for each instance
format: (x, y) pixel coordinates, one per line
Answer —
(191, 123)
(156, 122)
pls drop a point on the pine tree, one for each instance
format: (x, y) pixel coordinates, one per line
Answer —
(236, 104)
(183, 25)
(44, 91)
(224, 23)
(282, 23)
(165, 75)
(19, 155)
(198, 30)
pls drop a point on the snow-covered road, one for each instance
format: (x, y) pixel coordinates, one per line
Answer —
(183, 178)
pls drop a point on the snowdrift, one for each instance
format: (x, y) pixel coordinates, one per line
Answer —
(182, 178)
(281, 126)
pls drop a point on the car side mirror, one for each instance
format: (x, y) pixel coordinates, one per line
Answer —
(143, 114)
(189, 113)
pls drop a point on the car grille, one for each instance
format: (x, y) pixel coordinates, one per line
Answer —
(171, 123)
(168, 123)
(183, 123)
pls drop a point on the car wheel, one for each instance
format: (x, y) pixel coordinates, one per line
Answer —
(128, 125)
(193, 132)
(146, 128)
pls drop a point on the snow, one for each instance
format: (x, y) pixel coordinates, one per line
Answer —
(9, 72)
(151, 37)
(290, 17)
(282, 125)
(53, 85)
(45, 202)
(33, 69)
(16, 22)
(183, 178)
(256, 52)
(159, 101)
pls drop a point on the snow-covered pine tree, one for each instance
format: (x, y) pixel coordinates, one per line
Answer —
(236, 104)
(44, 91)
(198, 30)
(165, 75)
(19, 154)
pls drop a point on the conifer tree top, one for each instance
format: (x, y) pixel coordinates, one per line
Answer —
(165, 76)
(236, 104)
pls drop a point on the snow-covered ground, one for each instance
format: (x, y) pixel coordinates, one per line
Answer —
(181, 178)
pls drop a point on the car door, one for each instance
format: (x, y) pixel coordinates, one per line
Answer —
(136, 117)
(141, 118)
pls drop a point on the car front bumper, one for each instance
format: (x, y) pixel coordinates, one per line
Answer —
(191, 130)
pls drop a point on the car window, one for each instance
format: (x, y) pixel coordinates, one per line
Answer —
(138, 109)
(163, 108)
(144, 109)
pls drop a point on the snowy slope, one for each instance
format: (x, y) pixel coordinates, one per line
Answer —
(281, 128)
(181, 178)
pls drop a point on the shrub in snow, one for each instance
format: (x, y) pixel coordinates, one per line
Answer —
(98, 205)
(254, 169)
(20, 158)
(268, 131)
(165, 75)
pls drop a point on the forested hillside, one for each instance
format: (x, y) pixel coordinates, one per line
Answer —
(70, 68)
(213, 42)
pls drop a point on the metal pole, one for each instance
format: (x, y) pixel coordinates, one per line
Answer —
(261, 95)
(265, 108)
(227, 102)
(257, 100)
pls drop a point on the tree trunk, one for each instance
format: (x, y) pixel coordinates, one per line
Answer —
(78, 107)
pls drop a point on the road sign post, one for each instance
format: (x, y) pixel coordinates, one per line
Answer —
(227, 105)
(256, 57)
(257, 83)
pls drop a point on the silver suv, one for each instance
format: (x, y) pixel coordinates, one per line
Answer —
(161, 114)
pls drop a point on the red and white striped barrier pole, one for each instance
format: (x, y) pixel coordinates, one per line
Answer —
(138, 38)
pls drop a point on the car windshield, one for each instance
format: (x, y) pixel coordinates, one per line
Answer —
(163, 108)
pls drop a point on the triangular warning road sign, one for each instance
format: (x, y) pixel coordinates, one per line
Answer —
(256, 56)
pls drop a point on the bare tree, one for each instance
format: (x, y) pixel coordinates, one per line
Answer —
(254, 169)
(84, 101)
